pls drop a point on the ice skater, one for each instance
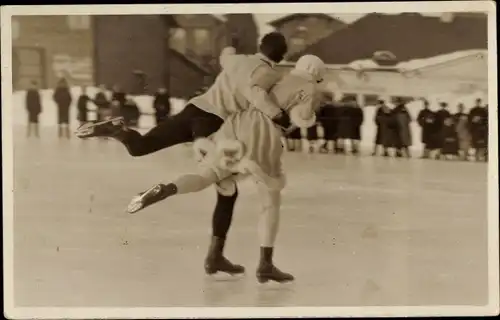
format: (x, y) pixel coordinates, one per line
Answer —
(243, 82)
(249, 145)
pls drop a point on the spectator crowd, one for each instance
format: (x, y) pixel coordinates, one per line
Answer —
(103, 104)
(444, 135)
(338, 130)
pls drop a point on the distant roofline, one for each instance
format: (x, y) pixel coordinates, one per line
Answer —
(277, 22)
(469, 15)
(346, 67)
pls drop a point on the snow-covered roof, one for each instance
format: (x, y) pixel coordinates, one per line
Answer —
(370, 65)
(441, 59)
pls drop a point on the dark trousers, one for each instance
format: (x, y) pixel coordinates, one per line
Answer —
(186, 126)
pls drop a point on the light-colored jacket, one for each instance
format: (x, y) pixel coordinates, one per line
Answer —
(244, 81)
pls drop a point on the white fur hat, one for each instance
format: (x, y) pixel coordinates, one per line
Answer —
(312, 65)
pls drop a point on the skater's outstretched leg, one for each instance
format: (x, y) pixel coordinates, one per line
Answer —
(221, 221)
(188, 183)
(187, 125)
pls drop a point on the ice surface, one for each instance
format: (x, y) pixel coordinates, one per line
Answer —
(355, 231)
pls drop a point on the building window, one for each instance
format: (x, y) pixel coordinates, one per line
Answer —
(178, 39)
(79, 22)
(201, 41)
(15, 29)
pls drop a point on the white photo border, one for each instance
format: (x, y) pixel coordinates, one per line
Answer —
(13, 312)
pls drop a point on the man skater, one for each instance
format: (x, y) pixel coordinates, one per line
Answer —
(249, 145)
(243, 81)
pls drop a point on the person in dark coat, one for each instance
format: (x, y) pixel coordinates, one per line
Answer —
(34, 108)
(161, 105)
(450, 138)
(328, 119)
(294, 140)
(403, 134)
(426, 121)
(478, 124)
(63, 99)
(388, 128)
(119, 95)
(130, 112)
(356, 120)
(312, 136)
(441, 116)
(344, 125)
(102, 103)
(378, 135)
(82, 106)
(461, 120)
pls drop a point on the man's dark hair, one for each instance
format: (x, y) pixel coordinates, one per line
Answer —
(273, 45)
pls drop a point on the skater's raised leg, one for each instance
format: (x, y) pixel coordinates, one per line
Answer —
(189, 124)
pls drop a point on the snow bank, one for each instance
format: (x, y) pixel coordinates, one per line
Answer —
(419, 63)
(48, 116)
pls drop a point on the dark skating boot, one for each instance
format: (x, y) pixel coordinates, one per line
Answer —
(215, 260)
(107, 128)
(267, 271)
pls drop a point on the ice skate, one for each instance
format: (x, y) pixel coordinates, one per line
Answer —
(214, 264)
(107, 128)
(147, 198)
(269, 272)
(215, 260)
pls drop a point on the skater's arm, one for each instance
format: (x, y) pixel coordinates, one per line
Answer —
(303, 114)
(260, 83)
(227, 57)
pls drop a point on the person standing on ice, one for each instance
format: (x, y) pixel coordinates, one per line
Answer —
(426, 121)
(463, 133)
(478, 124)
(243, 83)
(249, 145)
(161, 105)
(82, 106)
(62, 98)
(34, 108)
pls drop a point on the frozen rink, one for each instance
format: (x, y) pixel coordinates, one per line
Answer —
(355, 231)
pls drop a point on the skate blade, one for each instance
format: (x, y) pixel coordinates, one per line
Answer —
(87, 129)
(225, 277)
(137, 202)
(135, 205)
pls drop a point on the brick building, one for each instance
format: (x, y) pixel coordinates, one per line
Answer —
(45, 48)
(303, 30)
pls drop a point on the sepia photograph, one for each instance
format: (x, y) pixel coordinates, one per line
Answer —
(250, 160)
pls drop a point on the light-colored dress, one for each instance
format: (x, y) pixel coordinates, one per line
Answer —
(249, 144)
